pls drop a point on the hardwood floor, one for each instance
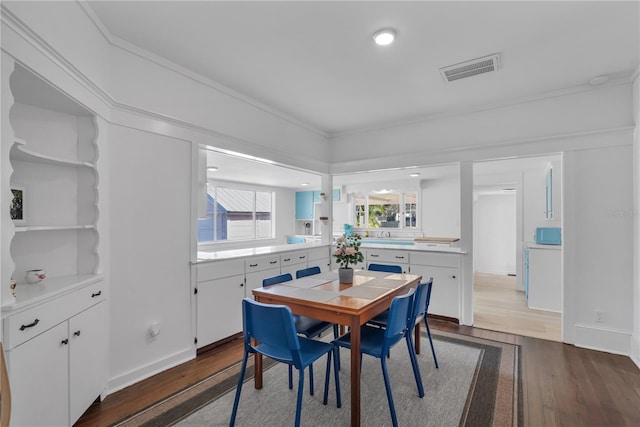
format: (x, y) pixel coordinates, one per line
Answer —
(562, 385)
(498, 306)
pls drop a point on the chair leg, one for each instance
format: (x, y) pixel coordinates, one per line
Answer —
(290, 377)
(300, 393)
(433, 350)
(236, 400)
(327, 374)
(414, 364)
(311, 379)
(387, 386)
(336, 368)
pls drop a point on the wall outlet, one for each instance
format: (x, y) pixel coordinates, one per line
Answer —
(599, 316)
(154, 330)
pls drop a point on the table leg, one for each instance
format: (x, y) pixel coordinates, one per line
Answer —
(416, 337)
(258, 371)
(355, 372)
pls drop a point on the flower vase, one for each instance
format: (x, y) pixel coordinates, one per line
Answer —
(345, 275)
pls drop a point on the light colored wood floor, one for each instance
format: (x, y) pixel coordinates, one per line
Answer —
(498, 306)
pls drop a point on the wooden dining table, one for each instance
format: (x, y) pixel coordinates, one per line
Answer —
(323, 297)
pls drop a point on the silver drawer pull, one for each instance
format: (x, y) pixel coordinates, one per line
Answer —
(303, 257)
(374, 255)
(97, 294)
(399, 257)
(273, 262)
(253, 265)
(30, 325)
(286, 260)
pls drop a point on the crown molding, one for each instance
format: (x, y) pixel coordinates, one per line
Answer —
(160, 61)
(524, 146)
(489, 106)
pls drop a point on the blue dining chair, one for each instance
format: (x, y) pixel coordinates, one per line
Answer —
(306, 326)
(419, 313)
(377, 342)
(272, 327)
(385, 268)
(308, 272)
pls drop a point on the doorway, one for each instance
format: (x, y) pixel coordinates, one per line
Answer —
(509, 203)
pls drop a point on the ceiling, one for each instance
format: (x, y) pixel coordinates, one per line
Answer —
(315, 61)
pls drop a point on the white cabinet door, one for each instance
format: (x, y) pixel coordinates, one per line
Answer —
(219, 309)
(445, 293)
(254, 280)
(39, 376)
(545, 286)
(88, 353)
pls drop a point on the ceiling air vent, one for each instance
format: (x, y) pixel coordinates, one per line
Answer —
(474, 67)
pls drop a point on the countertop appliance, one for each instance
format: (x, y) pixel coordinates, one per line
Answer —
(548, 236)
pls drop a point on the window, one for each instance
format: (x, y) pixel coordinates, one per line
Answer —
(236, 215)
(386, 210)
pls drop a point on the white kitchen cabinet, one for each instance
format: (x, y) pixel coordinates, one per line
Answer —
(257, 268)
(219, 308)
(219, 300)
(545, 276)
(39, 377)
(57, 357)
(445, 270)
(88, 358)
(320, 257)
(291, 262)
(388, 257)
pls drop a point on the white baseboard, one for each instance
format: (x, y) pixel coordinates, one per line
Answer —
(610, 340)
(144, 372)
(635, 350)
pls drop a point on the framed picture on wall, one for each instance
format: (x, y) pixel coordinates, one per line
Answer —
(17, 205)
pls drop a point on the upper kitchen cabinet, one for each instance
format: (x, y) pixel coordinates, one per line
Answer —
(304, 205)
(54, 182)
(305, 201)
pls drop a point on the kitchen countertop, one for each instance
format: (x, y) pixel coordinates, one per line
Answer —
(208, 256)
(205, 256)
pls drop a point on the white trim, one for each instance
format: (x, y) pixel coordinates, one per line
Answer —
(524, 147)
(146, 371)
(610, 340)
(185, 72)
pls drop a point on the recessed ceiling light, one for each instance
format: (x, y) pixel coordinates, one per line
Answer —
(413, 175)
(384, 37)
(212, 168)
(304, 184)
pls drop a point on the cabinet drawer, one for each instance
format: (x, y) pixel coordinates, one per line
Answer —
(29, 323)
(319, 253)
(436, 259)
(261, 263)
(219, 269)
(290, 258)
(388, 256)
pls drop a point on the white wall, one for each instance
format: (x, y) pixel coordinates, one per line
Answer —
(496, 233)
(150, 213)
(440, 207)
(598, 248)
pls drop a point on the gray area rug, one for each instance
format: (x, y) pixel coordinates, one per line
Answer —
(477, 384)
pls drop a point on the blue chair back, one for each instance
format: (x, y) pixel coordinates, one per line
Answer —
(308, 272)
(273, 328)
(385, 268)
(276, 279)
(398, 320)
(420, 302)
